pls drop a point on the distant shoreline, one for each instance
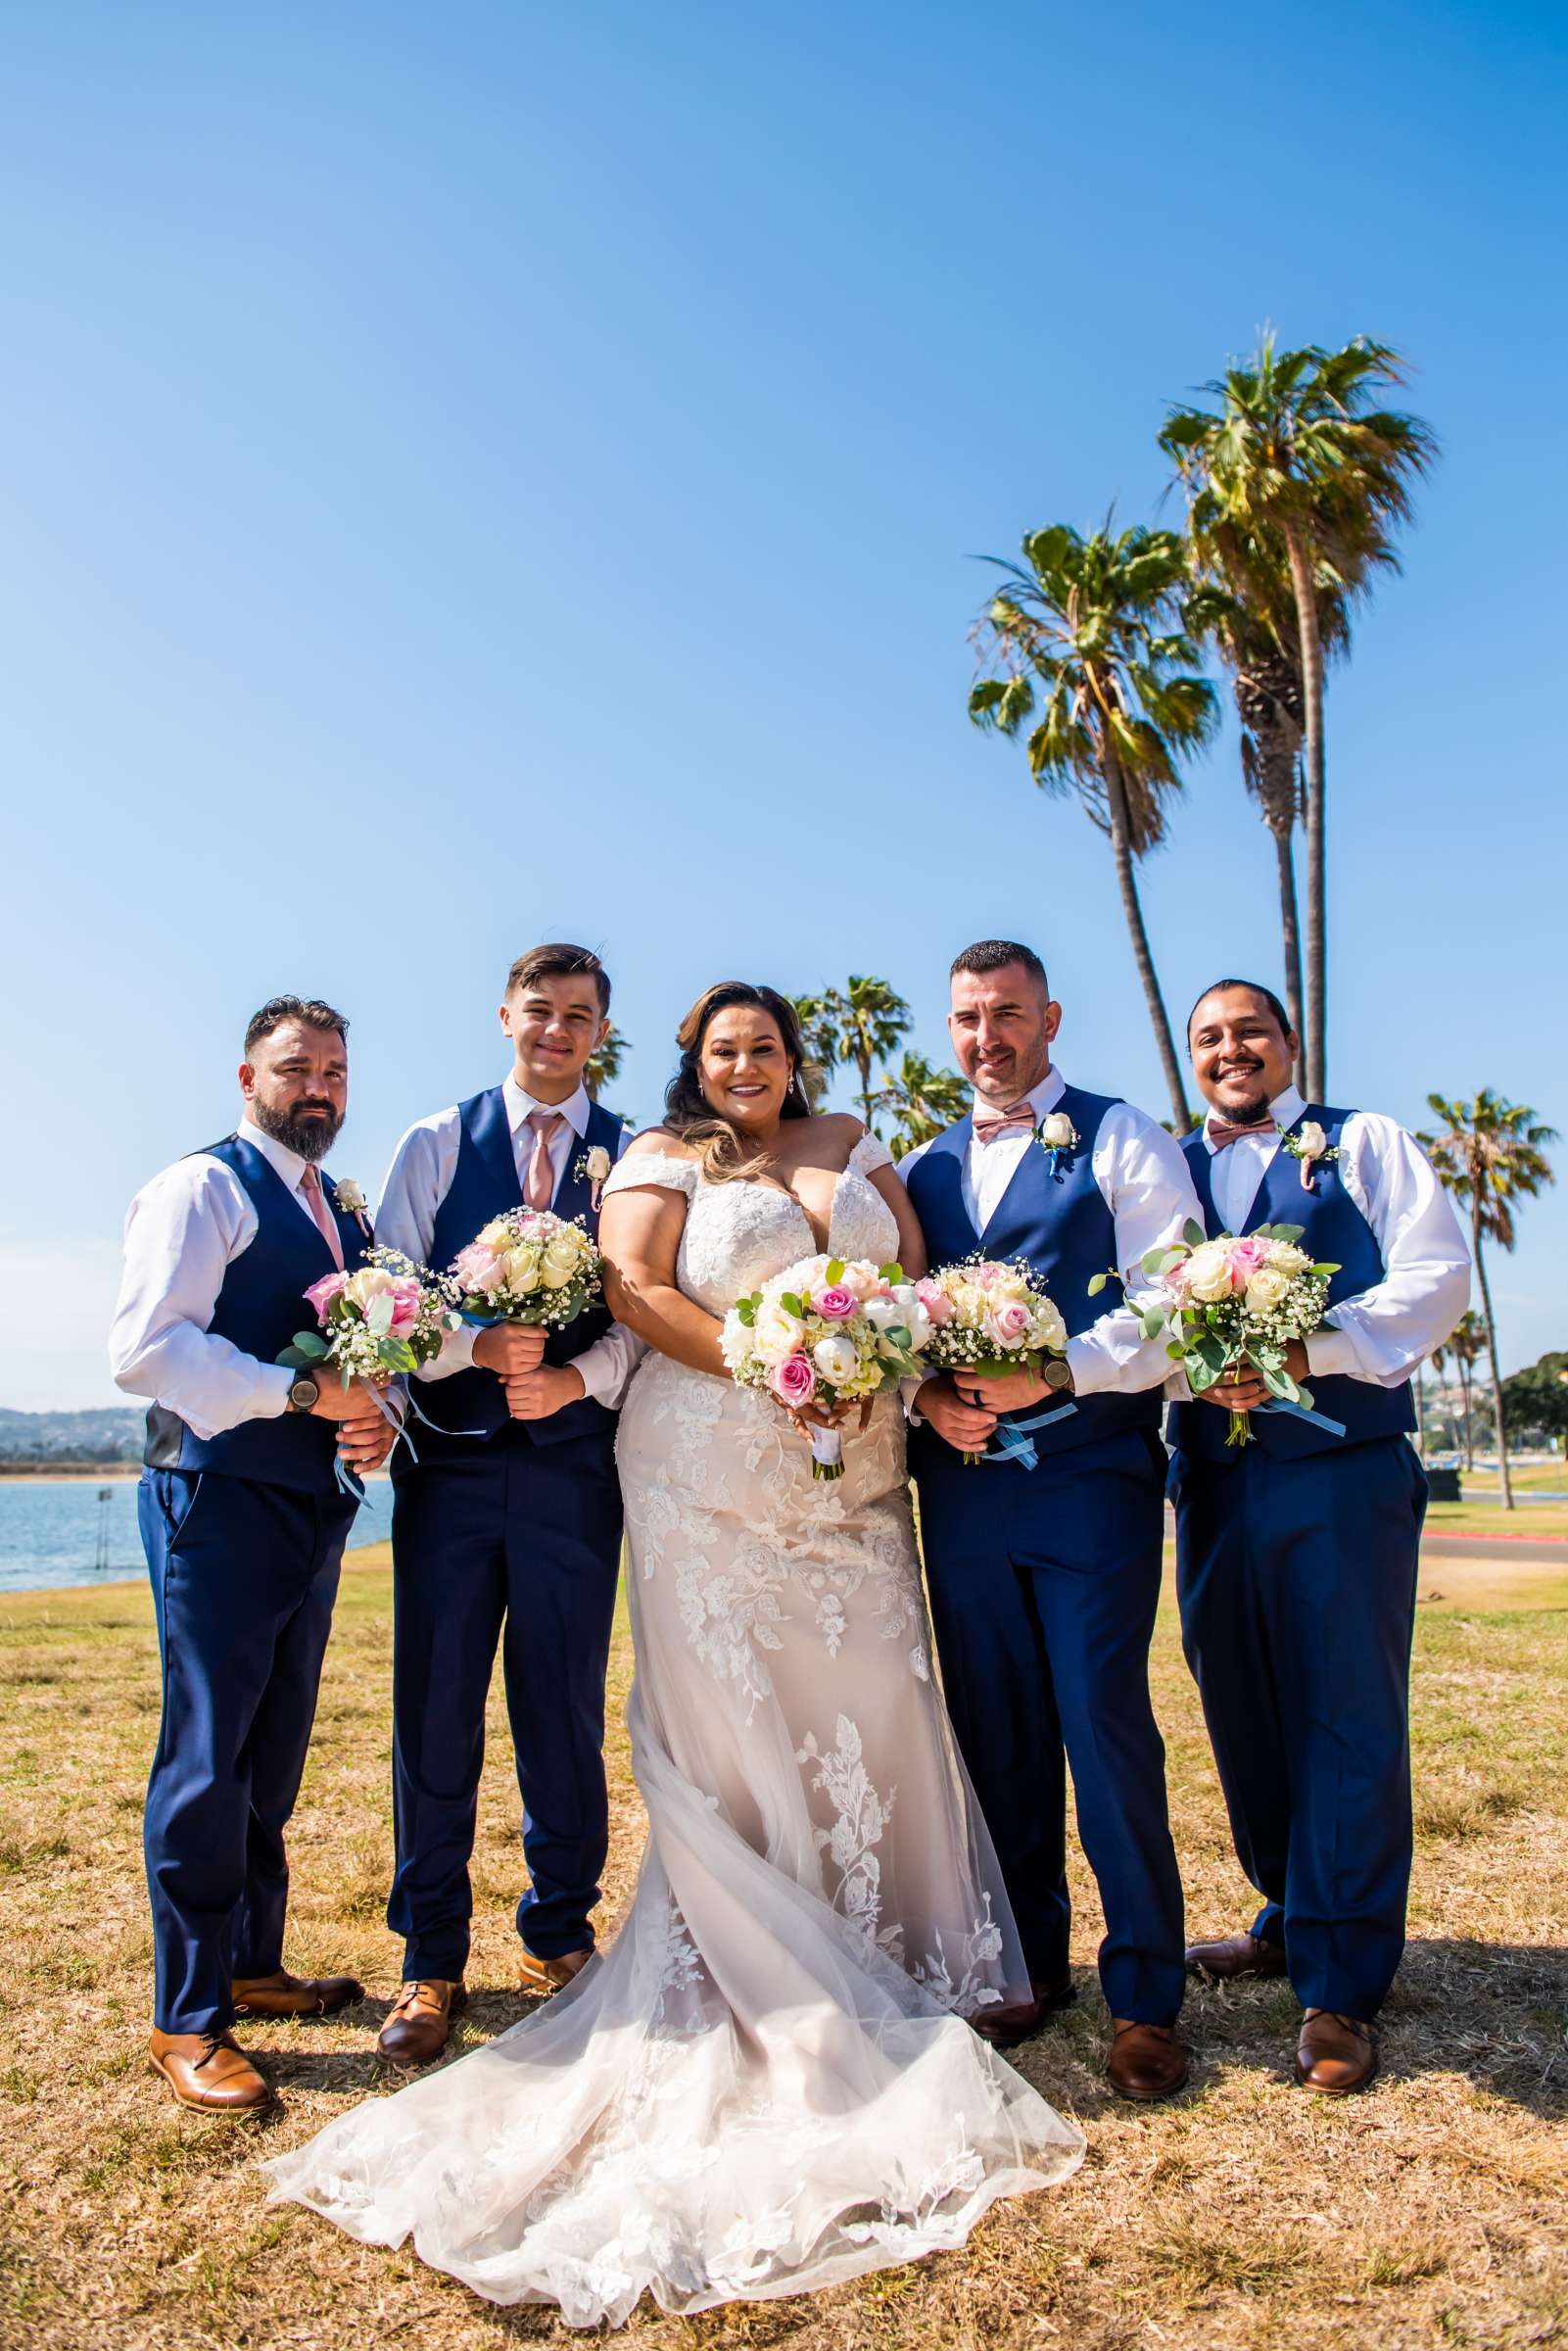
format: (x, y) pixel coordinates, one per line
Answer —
(108, 1473)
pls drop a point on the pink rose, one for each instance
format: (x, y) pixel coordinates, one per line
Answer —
(937, 1304)
(477, 1268)
(793, 1381)
(837, 1303)
(404, 1305)
(986, 1274)
(1009, 1322)
(1244, 1257)
(320, 1294)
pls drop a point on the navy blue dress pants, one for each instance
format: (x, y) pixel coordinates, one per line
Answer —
(1297, 1581)
(513, 1543)
(244, 1577)
(1044, 1584)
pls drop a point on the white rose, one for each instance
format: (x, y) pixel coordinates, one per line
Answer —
(882, 1312)
(735, 1340)
(370, 1282)
(918, 1323)
(561, 1254)
(597, 1164)
(776, 1334)
(350, 1199)
(522, 1275)
(1310, 1140)
(836, 1357)
(496, 1236)
(1049, 1329)
(1057, 1131)
(1268, 1285)
(1209, 1272)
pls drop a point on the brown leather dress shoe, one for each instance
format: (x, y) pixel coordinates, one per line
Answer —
(1147, 2062)
(1004, 2026)
(535, 1974)
(1336, 2053)
(421, 2020)
(1236, 1956)
(208, 2070)
(283, 1995)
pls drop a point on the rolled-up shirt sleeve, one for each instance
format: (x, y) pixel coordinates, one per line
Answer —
(1146, 1183)
(182, 1231)
(418, 1182)
(605, 1368)
(1383, 1332)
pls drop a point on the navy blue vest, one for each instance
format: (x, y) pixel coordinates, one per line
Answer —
(485, 1183)
(259, 1308)
(1333, 1228)
(1061, 1225)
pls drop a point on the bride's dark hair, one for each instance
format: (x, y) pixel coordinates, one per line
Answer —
(724, 1151)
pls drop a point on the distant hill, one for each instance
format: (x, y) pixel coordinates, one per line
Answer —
(112, 1434)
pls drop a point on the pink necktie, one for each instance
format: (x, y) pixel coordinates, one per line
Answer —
(989, 1124)
(1221, 1131)
(540, 1189)
(326, 1223)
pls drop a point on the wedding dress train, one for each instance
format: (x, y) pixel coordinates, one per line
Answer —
(766, 2083)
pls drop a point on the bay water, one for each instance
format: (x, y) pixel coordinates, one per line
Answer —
(82, 1530)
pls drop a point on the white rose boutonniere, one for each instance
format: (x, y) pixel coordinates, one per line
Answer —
(1309, 1145)
(350, 1197)
(593, 1167)
(1057, 1136)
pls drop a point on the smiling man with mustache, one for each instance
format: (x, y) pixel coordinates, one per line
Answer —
(1296, 1554)
(243, 1523)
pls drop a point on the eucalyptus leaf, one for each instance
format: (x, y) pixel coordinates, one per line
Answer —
(893, 1272)
(311, 1345)
(1200, 1374)
(1193, 1233)
(792, 1305)
(1098, 1283)
(836, 1269)
(1152, 1259)
(378, 1315)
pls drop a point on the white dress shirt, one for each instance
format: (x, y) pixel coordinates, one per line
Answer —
(182, 1232)
(419, 1180)
(1383, 1333)
(1144, 1181)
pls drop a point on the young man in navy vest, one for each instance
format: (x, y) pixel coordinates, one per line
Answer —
(1044, 1579)
(511, 1517)
(1296, 1554)
(243, 1523)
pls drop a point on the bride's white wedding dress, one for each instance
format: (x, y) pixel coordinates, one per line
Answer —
(764, 2083)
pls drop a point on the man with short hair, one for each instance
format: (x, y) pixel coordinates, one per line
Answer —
(511, 1517)
(1296, 1554)
(1044, 1563)
(244, 1522)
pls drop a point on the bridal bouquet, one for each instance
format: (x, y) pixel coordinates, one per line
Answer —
(529, 1266)
(1231, 1303)
(991, 1316)
(388, 1316)
(829, 1331)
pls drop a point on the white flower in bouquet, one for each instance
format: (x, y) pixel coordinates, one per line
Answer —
(1236, 1302)
(529, 1266)
(826, 1333)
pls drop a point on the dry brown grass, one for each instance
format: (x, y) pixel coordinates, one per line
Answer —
(1430, 2211)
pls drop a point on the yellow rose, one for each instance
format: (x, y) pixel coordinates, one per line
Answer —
(1266, 1288)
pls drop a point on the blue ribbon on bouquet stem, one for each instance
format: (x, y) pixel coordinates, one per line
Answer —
(1302, 1412)
(1013, 1441)
(349, 1480)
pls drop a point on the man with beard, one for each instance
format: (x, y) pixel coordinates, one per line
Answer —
(1044, 1563)
(1296, 1554)
(244, 1522)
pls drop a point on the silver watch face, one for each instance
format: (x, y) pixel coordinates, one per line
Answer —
(1056, 1373)
(303, 1394)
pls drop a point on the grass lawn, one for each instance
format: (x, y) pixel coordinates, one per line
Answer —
(1429, 2212)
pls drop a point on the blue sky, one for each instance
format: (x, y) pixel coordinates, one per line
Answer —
(494, 472)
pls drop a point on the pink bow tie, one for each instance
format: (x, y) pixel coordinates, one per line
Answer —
(1221, 1131)
(989, 1123)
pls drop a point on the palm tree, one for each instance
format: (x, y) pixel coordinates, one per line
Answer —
(1464, 1346)
(1296, 447)
(857, 1025)
(1244, 605)
(819, 1033)
(1095, 626)
(921, 1100)
(604, 1064)
(1491, 1154)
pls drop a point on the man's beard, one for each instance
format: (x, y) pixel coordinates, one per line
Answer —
(311, 1138)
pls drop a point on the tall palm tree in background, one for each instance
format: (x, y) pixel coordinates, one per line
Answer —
(1244, 605)
(1464, 1348)
(856, 1026)
(1296, 447)
(1092, 627)
(1490, 1154)
(605, 1063)
(921, 1100)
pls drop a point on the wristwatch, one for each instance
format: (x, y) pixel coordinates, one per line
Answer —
(1056, 1372)
(304, 1393)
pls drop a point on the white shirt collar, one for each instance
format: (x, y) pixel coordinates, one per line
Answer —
(574, 1110)
(1287, 1108)
(1044, 1097)
(284, 1162)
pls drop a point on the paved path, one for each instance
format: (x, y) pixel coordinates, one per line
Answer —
(1546, 1550)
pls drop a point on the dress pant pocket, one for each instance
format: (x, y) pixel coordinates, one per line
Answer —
(179, 1493)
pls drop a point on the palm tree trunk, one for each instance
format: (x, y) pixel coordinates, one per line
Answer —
(1291, 942)
(1505, 1489)
(1464, 1391)
(863, 1065)
(1315, 1040)
(1142, 954)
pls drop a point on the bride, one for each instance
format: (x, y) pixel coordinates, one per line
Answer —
(769, 2082)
